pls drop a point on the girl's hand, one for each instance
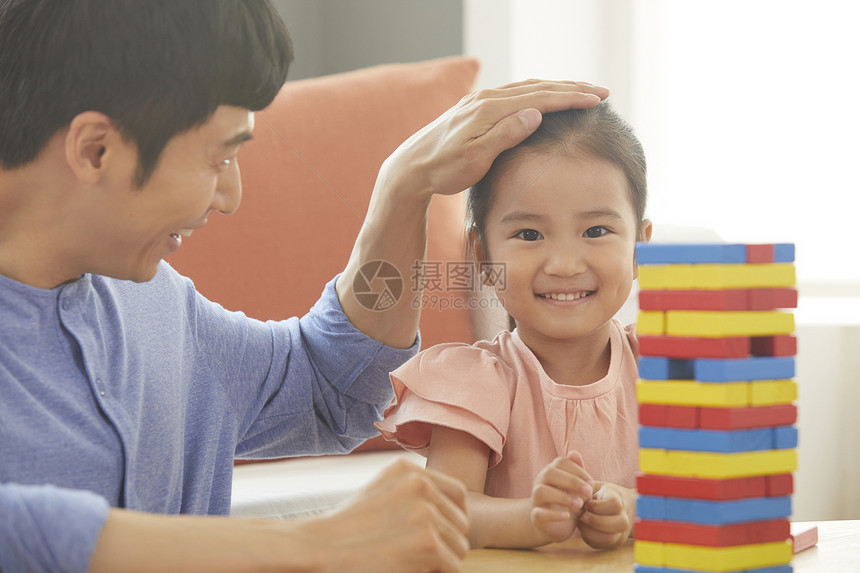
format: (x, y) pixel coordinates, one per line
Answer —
(608, 518)
(560, 492)
(456, 151)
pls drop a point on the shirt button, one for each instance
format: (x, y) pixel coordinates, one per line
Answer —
(99, 388)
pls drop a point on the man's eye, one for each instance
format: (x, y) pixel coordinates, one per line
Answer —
(529, 235)
(595, 232)
(225, 163)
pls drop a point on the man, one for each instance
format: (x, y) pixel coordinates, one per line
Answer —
(124, 395)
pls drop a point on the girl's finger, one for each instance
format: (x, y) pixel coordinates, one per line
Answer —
(599, 539)
(544, 495)
(547, 515)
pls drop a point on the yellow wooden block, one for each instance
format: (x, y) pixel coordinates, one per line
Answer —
(651, 322)
(720, 324)
(770, 392)
(692, 393)
(654, 277)
(710, 465)
(649, 553)
(710, 277)
(735, 558)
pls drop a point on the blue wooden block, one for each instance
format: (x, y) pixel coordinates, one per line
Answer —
(743, 369)
(690, 253)
(646, 569)
(651, 507)
(783, 253)
(784, 437)
(707, 440)
(660, 368)
(717, 369)
(712, 512)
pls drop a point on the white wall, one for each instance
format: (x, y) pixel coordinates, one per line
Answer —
(333, 36)
(586, 40)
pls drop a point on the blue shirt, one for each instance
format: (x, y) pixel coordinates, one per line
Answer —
(114, 393)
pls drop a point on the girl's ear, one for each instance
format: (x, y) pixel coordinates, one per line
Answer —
(647, 229)
(479, 256)
(645, 237)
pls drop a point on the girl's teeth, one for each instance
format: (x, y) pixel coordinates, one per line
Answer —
(566, 296)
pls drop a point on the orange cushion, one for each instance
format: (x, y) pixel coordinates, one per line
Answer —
(307, 178)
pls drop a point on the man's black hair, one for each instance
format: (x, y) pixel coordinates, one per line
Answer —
(155, 67)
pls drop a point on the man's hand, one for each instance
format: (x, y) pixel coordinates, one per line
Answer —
(408, 519)
(456, 151)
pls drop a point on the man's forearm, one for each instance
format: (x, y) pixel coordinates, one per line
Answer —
(391, 241)
(141, 543)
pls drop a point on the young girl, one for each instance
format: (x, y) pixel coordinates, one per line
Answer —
(541, 423)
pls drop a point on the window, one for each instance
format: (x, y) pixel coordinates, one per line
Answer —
(749, 111)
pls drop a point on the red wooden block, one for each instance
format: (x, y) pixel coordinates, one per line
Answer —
(667, 416)
(734, 299)
(695, 488)
(779, 485)
(749, 417)
(653, 415)
(771, 298)
(803, 538)
(682, 347)
(759, 254)
(781, 345)
(713, 535)
(730, 299)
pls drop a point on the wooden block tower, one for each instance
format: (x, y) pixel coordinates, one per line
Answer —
(716, 408)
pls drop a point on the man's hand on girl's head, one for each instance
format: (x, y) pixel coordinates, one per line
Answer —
(456, 151)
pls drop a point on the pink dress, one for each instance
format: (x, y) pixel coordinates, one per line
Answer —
(498, 392)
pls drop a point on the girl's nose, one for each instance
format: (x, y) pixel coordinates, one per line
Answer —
(565, 260)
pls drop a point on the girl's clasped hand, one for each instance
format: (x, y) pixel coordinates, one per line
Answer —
(565, 498)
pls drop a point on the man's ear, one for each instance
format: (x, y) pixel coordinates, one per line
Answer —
(644, 236)
(90, 143)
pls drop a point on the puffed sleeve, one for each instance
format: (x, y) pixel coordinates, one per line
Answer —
(453, 385)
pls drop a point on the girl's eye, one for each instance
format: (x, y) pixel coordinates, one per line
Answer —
(595, 232)
(529, 235)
